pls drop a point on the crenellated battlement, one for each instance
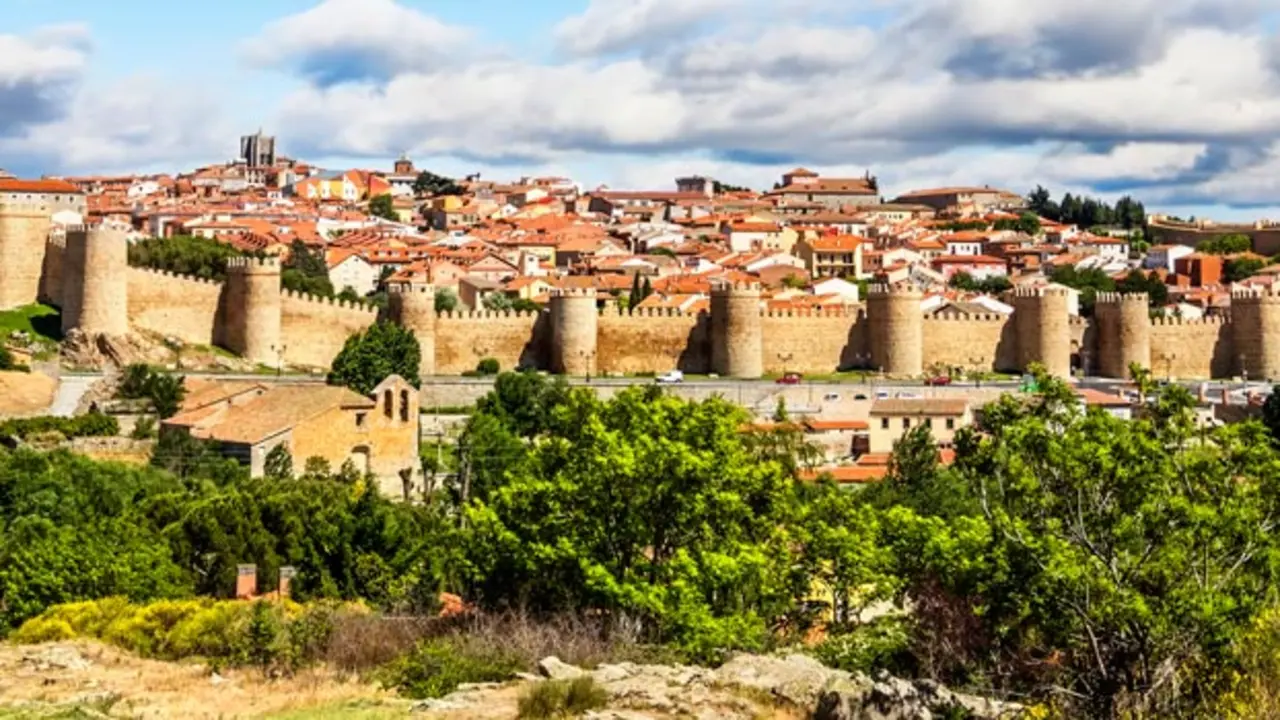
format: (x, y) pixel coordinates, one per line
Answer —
(1255, 293)
(831, 312)
(1040, 291)
(329, 301)
(950, 317)
(407, 289)
(1116, 298)
(483, 315)
(176, 276)
(573, 293)
(269, 263)
(901, 289)
(649, 312)
(735, 287)
(1169, 320)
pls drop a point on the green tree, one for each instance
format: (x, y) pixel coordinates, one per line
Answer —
(428, 183)
(646, 289)
(1124, 550)
(1237, 269)
(184, 255)
(349, 294)
(306, 271)
(446, 300)
(279, 463)
(374, 354)
(1271, 414)
(1225, 245)
(384, 207)
(6, 358)
(143, 382)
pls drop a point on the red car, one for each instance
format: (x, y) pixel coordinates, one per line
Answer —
(939, 380)
(789, 379)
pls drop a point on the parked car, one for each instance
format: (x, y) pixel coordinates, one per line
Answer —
(790, 379)
(860, 396)
(671, 378)
(939, 380)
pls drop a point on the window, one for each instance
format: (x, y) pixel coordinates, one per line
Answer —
(386, 404)
(360, 419)
(884, 423)
(951, 423)
(906, 423)
(404, 406)
(928, 422)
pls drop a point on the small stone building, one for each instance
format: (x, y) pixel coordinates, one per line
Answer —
(248, 419)
(892, 418)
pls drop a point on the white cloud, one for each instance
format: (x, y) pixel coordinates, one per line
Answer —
(38, 75)
(344, 40)
(615, 26)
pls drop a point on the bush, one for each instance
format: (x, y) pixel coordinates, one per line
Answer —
(144, 429)
(488, 366)
(437, 667)
(881, 644)
(90, 425)
(142, 382)
(6, 358)
(562, 698)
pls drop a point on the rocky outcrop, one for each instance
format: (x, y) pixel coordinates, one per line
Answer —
(749, 687)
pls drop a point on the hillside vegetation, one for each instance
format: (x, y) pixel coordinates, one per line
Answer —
(1095, 566)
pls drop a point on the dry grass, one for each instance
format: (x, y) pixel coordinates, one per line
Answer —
(362, 643)
(153, 689)
(23, 394)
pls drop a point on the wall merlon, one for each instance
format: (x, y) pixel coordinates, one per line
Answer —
(721, 287)
(573, 293)
(249, 264)
(403, 289)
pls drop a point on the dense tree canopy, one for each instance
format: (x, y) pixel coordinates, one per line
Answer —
(374, 354)
(184, 255)
(1087, 213)
(1225, 245)
(1106, 567)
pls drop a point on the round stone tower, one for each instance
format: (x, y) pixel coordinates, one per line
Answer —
(737, 345)
(24, 230)
(574, 319)
(897, 330)
(1124, 333)
(1042, 319)
(413, 307)
(252, 310)
(1255, 332)
(95, 297)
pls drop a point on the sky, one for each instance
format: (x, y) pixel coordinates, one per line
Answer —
(1175, 102)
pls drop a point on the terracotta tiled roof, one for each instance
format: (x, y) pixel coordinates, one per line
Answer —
(269, 414)
(37, 186)
(919, 406)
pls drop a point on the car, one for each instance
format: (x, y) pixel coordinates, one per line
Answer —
(670, 378)
(790, 379)
(831, 397)
(938, 380)
(859, 396)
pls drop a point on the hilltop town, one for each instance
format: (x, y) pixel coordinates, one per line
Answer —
(488, 257)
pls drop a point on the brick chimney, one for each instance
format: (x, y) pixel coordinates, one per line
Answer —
(246, 581)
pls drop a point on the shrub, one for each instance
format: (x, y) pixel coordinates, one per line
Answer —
(6, 358)
(144, 429)
(437, 667)
(90, 425)
(41, 629)
(881, 644)
(562, 698)
(488, 366)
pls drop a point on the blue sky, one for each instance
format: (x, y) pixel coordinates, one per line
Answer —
(1173, 101)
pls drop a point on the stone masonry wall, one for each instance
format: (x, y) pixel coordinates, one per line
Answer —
(653, 340)
(515, 339)
(1191, 348)
(985, 342)
(813, 342)
(313, 329)
(174, 305)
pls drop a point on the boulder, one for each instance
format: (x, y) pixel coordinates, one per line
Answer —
(798, 679)
(890, 698)
(554, 668)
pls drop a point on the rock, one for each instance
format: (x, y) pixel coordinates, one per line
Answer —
(890, 698)
(554, 668)
(57, 657)
(437, 704)
(798, 679)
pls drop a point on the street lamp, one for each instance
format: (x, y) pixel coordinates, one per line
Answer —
(279, 350)
(588, 359)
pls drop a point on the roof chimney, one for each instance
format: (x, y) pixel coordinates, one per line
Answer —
(246, 581)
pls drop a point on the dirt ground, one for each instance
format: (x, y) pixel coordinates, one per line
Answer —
(85, 679)
(24, 394)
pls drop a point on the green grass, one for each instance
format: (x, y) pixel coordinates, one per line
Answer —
(38, 321)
